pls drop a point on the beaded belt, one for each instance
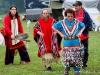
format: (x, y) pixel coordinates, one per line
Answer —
(70, 38)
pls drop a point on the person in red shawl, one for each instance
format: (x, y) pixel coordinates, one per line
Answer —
(13, 27)
(46, 39)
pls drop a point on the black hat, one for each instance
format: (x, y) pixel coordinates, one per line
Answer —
(77, 3)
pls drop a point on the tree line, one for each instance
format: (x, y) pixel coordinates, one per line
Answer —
(5, 5)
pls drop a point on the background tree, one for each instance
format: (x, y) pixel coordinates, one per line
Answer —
(5, 5)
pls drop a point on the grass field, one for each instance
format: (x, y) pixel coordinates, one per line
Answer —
(36, 67)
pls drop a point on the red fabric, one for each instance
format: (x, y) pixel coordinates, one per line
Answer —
(2, 30)
(46, 27)
(82, 37)
(7, 27)
(80, 17)
(7, 24)
(47, 31)
(24, 17)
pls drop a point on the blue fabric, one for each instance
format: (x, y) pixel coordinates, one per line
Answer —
(87, 22)
(76, 69)
(59, 27)
(71, 42)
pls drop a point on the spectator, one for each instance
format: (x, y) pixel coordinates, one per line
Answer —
(84, 17)
(24, 17)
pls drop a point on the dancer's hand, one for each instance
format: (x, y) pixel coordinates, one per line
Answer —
(40, 33)
(79, 34)
(62, 36)
(12, 37)
(55, 33)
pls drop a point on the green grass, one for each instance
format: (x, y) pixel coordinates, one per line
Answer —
(36, 67)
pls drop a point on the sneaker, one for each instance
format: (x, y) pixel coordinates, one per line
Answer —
(84, 67)
(49, 69)
(66, 74)
(10, 64)
(23, 62)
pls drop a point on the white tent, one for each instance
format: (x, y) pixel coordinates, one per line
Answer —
(91, 6)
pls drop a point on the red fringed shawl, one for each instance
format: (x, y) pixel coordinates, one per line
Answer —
(47, 43)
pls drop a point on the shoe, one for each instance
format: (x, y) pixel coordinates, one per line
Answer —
(84, 67)
(49, 69)
(66, 74)
(23, 62)
(10, 64)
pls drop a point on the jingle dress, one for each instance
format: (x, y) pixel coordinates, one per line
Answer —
(71, 52)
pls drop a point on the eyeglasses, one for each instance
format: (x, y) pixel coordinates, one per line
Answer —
(45, 13)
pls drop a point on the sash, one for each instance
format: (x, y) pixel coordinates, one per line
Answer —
(14, 29)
